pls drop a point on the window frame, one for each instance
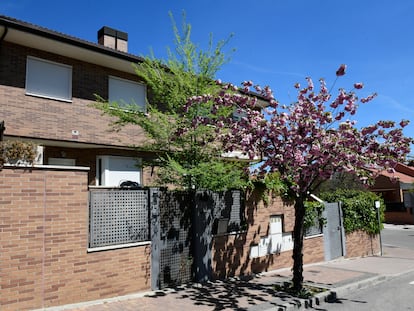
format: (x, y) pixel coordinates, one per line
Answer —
(29, 75)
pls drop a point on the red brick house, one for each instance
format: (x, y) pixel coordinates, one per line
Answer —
(397, 190)
(47, 85)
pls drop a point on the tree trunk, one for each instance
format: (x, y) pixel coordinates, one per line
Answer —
(298, 233)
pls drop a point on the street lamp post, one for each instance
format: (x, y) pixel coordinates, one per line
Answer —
(377, 207)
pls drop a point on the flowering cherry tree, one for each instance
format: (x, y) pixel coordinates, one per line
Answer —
(306, 142)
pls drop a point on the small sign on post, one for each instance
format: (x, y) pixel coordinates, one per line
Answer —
(377, 206)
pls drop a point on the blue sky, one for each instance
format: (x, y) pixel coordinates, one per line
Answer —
(277, 42)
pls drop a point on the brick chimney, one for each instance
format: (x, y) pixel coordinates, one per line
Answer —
(113, 38)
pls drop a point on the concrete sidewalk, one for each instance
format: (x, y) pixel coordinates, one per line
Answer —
(257, 293)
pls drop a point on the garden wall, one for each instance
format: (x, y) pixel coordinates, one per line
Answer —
(360, 244)
(231, 252)
(44, 259)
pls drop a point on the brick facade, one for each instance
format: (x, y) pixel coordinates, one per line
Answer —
(231, 252)
(43, 244)
(36, 117)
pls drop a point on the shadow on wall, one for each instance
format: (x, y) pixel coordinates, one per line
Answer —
(231, 252)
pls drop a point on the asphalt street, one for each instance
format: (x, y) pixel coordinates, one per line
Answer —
(395, 294)
(401, 236)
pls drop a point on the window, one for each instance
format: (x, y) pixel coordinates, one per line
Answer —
(114, 170)
(61, 161)
(48, 79)
(316, 227)
(126, 92)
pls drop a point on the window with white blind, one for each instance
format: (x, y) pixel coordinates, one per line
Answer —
(48, 79)
(113, 170)
(126, 92)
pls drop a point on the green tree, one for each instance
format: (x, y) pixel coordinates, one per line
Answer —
(190, 159)
(358, 209)
(308, 141)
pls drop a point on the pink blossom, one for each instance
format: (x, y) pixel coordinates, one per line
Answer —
(310, 83)
(341, 70)
(404, 123)
(308, 139)
(358, 86)
(369, 98)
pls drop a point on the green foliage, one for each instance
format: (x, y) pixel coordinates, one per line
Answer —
(306, 292)
(192, 157)
(270, 185)
(17, 152)
(358, 209)
(214, 175)
(313, 214)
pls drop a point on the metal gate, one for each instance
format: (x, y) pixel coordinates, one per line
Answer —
(171, 236)
(334, 235)
(182, 225)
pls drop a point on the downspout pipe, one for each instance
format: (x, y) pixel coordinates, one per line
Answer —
(2, 127)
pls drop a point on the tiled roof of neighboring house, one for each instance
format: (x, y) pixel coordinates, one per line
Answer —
(403, 173)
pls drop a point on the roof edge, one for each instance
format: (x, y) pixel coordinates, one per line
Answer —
(60, 37)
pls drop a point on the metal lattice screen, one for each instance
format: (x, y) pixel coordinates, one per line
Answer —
(175, 222)
(118, 217)
(228, 211)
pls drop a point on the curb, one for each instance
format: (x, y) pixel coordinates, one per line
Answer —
(95, 302)
(344, 290)
(330, 296)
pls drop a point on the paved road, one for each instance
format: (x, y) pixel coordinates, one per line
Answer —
(401, 236)
(395, 294)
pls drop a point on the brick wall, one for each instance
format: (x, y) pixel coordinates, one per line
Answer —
(402, 218)
(30, 116)
(360, 243)
(230, 253)
(43, 244)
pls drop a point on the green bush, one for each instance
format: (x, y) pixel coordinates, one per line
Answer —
(313, 215)
(358, 209)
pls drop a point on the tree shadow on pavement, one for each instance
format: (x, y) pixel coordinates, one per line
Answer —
(232, 294)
